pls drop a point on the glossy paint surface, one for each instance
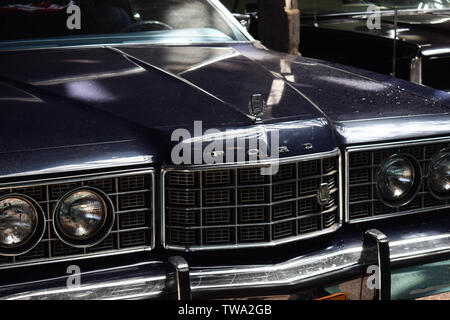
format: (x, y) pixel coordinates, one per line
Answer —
(94, 105)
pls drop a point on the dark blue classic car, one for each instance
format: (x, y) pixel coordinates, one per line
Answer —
(153, 149)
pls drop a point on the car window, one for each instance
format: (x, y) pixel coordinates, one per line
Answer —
(65, 22)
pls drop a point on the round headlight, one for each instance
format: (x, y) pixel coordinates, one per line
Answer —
(398, 180)
(21, 224)
(439, 175)
(83, 217)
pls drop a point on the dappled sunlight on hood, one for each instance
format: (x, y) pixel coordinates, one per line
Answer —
(359, 84)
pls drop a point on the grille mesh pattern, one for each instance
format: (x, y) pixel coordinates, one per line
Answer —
(223, 207)
(131, 196)
(363, 197)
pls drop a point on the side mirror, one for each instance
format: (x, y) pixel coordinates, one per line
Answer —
(244, 19)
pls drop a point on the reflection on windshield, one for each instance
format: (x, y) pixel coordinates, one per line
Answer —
(65, 21)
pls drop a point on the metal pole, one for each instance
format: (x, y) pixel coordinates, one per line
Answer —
(394, 53)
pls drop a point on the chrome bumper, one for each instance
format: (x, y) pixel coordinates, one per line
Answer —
(339, 261)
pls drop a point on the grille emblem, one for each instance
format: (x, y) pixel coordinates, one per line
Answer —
(256, 107)
(323, 195)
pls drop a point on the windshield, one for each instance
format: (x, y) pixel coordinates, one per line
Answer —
(85, 22)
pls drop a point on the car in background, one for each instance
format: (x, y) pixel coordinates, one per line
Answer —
(338, 31)
(132, 163)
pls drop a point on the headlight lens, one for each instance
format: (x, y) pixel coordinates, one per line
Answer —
(398, 180)
(439, 175)
(83, 217)
(18, 221)
(81, 214)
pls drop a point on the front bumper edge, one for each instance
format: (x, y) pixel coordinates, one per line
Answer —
(338, 261)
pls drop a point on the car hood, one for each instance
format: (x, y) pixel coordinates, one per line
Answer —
(120, 105)
(73, 96)
(124, 102)
(363, 106)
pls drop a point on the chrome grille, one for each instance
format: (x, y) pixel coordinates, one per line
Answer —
(106, 185)
(106, 244)
(252, 214)
(215, 216)
(223, 207)
(363, 164)
(131, 194)
(283, 211)
(249, 234)
(217, 197)
(307, 224)
(58, 190)
(217, 178)
(132, 201)
(217, 236)
(182, 179)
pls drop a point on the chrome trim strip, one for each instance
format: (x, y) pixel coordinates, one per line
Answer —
(265, 162)
(153, 212)
(406, 143)
(68, 179)
(92, 165)
(87, 177)
(341, 189)
(347, 186)
(133, 288)
(379, 146)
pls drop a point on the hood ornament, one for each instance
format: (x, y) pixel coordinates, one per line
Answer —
(256, 107)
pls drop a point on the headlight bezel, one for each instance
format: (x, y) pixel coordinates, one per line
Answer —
(412, 192)
(363, 159)
(439, 155)
(100, 234)
(37, 234)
